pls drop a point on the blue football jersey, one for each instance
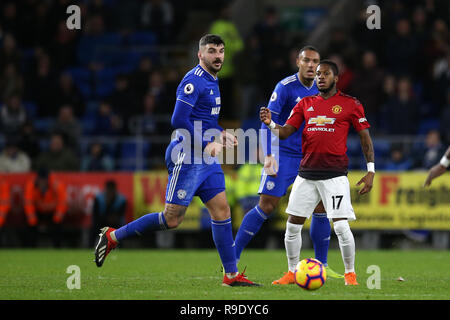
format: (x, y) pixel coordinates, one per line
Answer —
(200, 90)
(288, 92)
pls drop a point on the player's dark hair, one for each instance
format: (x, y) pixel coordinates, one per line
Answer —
(210, 38)
(308, 47)
(332, 65)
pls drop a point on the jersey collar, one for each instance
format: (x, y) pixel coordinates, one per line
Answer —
(338, 93)
(307, 88)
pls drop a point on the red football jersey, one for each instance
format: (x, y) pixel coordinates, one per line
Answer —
(324, 138)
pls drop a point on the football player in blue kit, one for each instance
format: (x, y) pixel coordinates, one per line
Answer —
(277, 177)
(191, 162)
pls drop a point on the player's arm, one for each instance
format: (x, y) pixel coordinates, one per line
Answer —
(367, 148)
(283, 132)
(438, 169)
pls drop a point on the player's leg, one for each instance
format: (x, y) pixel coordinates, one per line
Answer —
(271, 190)
(253, 220)
(347, 247)
(179, 193)
(302, 201)
(335, 194)
(320, 231)
(212, 194)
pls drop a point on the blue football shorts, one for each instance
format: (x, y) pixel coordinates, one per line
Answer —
(188, 180)
(287, 172)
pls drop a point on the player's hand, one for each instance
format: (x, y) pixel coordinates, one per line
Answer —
(434, 172)
(270, 166)
(213, 148)
(228, 140)
(265, 116)
(368, 182)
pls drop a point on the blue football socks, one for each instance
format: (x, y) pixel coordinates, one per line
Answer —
(250, 225)
(149, 222)
(222, 233)
(320, 235)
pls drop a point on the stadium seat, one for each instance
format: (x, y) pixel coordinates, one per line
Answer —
(30, 108)
(428, 124)
(142, 38)
(129, 154)
(43, 125)
(381, 148)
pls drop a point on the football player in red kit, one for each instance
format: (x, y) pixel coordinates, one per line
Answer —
(323, 169)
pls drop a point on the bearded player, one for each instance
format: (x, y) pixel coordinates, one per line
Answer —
(323, 170)
(277, 177)
(192, 174)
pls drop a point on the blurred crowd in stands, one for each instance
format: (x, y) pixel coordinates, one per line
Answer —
(116, 77)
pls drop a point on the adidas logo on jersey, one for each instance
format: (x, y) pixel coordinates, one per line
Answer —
(310, 109)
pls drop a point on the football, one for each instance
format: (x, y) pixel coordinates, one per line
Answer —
(310, 274)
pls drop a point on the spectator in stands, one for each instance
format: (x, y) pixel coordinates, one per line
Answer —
(431, 152)
(9, 53)
(270, 33)
(157, 88)
(69, 126)
(41, 86)
(401, 49)
(367, 85)
(234, 43)
(12, 115)
(398, 161)
(63, 46)
(157, 16)
(5, 200)
(341, 43)
(58, 157)
(28, 141)
(9, 21)
(248, 62)
(109, 209)
(11, 81)
(140, 77)
(144, 123)
(67, 93)
(107, 122)
(399, 114)
(45, 205)
(345, 73)
(97, 159)
(12, 159)
(389, 88)
(123, 99)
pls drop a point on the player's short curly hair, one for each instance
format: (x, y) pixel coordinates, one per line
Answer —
(332, 65)
(210, 38)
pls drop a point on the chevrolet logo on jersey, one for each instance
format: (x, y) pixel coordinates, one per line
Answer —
(321, 120)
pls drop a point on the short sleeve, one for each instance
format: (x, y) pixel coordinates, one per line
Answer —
(358, 118)
(189, 90)
(296, 117)
(277, 99)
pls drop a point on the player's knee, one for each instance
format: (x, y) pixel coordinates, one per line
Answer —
(268, 205)
(222, 212)
(341, 227)
(173, 217)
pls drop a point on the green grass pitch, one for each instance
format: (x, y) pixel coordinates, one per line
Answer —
(196, 275)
